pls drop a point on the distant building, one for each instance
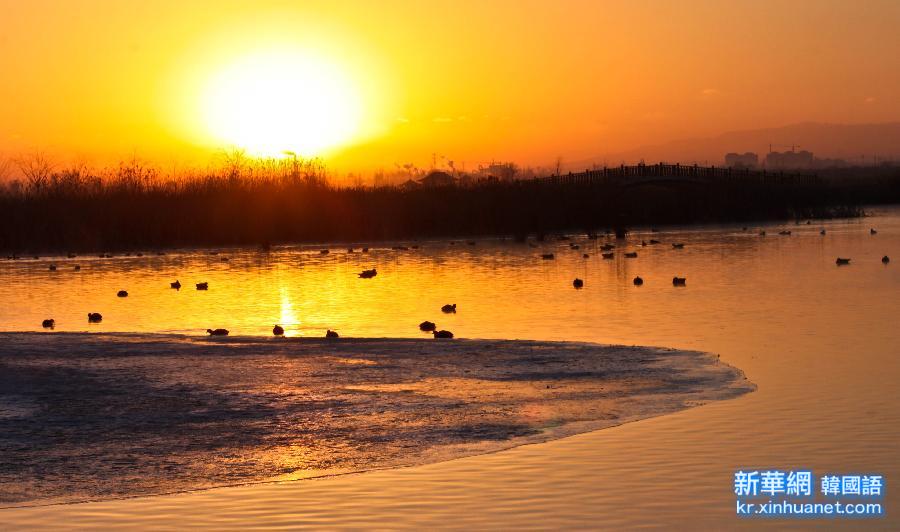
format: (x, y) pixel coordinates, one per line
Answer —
(741, 160)
(437, 178)
(379, 179)
(501, 171)
(789, 160)
(409, 184)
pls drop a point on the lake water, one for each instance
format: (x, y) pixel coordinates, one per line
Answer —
(821, 341)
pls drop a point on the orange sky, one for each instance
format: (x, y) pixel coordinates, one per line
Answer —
(96, 81)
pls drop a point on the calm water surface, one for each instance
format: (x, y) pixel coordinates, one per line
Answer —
(822, 342)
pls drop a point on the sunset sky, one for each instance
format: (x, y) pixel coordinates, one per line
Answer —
(370, 84)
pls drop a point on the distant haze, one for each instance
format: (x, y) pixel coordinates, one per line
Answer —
(856, 143)
(368, 86)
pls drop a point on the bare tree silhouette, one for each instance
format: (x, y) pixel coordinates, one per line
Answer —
(37, 169)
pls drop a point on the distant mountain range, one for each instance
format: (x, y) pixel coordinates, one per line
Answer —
(856, 143)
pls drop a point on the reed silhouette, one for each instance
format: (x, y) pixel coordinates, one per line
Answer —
(134, 207)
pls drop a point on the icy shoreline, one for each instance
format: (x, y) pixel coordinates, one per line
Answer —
(88, 417)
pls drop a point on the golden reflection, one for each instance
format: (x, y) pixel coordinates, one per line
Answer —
(289, 318)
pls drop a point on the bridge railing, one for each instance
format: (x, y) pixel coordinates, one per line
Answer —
(676, 172)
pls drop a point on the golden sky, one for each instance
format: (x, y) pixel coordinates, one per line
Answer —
(392, 82)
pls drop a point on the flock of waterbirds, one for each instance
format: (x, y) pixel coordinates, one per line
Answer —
(429, 326)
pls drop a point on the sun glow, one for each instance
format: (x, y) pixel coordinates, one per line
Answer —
(276, 102)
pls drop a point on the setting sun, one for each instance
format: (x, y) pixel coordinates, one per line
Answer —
(271, 103)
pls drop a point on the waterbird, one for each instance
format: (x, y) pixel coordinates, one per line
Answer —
(49, 323)
(442, 334)
(885, 259)
(176, 285)
(631, 255)
(368, 274)
(52, 267)
(77, 268)
(217, 332)
(822, 232)
(652, 241)
(873, 232)
(678, 245)
(324, 252)
(785, 233)
(331, 334)
(643, 243)
(608, 255)
(122, 293)
(547, 256)
(578, 283)
(842, 262)
(607, 247)
(574, 246)
(94, 317)
(585, 256)
(679, 281)
(638, 281)
(278, 330)
(203, 286)
(449, 309)
(427, 326)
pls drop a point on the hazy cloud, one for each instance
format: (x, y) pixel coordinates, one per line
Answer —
(652, 116)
